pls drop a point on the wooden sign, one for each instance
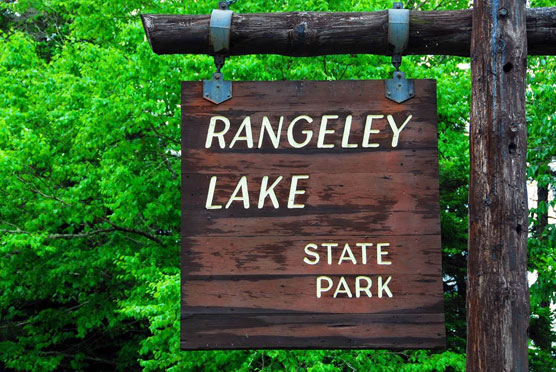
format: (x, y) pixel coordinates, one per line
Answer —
(310, 218)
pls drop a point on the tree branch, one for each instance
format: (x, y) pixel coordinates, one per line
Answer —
(36, 191)
(168, 166)
(89, 233)
(133, 231)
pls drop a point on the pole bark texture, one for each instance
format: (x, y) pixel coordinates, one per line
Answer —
(318, 33)
(497, 291)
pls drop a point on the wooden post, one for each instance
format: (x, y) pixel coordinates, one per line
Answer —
(497, 291)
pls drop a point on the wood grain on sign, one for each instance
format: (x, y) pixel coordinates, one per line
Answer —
(312, 219)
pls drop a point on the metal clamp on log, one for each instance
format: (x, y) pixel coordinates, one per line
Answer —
(219, 90)
(398, 89)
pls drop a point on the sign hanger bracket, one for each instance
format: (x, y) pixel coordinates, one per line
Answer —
(218, 90)
(398, 89)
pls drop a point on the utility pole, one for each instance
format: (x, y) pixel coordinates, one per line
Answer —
(497, 290)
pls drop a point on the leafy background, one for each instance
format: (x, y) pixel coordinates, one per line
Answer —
(89, 188)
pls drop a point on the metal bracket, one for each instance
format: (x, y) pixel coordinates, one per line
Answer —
(398, 29)
(219, 30)
(219, 90)
(398, 89)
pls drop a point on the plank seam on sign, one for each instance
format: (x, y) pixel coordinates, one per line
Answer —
(257, 313)
(276, 276)
(365, 315)
(318, 236)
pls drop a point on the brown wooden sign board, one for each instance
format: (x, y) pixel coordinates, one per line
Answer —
(310, 218)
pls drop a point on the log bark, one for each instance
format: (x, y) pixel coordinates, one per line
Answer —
(313, 33)
(497, 292)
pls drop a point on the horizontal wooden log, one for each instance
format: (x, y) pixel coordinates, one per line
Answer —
(291, 331)
(313, 33)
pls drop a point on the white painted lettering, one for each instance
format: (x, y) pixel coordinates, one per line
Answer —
(345, 136)
(307, 132)
(273, 136)
(294, 191)
(329, 251)
(248, 137)
(210, 196)
(241, 186)
(383, 287)
(359, 288)
(268, 191)
(211, 133)
(380, 253)
(320, 288)
(342, 288)
(395, 130)
(368, 131)
(316, 257)
(323, 132)
(351, 257)
(364, 251)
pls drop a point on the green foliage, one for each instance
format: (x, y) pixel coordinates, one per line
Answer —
(89, 173)
(541, 158)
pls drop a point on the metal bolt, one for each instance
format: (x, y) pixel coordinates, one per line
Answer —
(399, 75)
(388, 93)
(217, 86)
(503, 12)
(487, 201)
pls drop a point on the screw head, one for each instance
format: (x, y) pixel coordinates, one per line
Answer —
(503, 12)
